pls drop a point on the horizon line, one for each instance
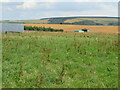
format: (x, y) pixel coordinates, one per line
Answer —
(65, 16)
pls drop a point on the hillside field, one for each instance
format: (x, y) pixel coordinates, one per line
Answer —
(60, 60)
(71, 28)
(97, 20)
(101, 21)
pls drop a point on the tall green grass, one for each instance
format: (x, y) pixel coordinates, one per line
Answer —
(60, 60)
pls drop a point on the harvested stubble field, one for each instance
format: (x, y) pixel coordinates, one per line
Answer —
(60, 60)
(71, 28)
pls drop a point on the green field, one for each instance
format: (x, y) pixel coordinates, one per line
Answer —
(60, 60)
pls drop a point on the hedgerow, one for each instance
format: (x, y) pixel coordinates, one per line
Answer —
(34, 28)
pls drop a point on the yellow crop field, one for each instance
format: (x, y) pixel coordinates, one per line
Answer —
(71, 21)
(71, 28)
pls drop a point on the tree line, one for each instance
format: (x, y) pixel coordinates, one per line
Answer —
(35, 28)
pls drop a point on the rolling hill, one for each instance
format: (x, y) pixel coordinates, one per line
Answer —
(104, 21)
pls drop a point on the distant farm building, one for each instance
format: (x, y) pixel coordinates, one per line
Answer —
(11, 27)
(78, 31)
(83, 30)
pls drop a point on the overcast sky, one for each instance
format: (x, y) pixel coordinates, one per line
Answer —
(34, 9)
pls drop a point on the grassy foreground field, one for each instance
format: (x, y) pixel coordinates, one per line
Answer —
(60, 60)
